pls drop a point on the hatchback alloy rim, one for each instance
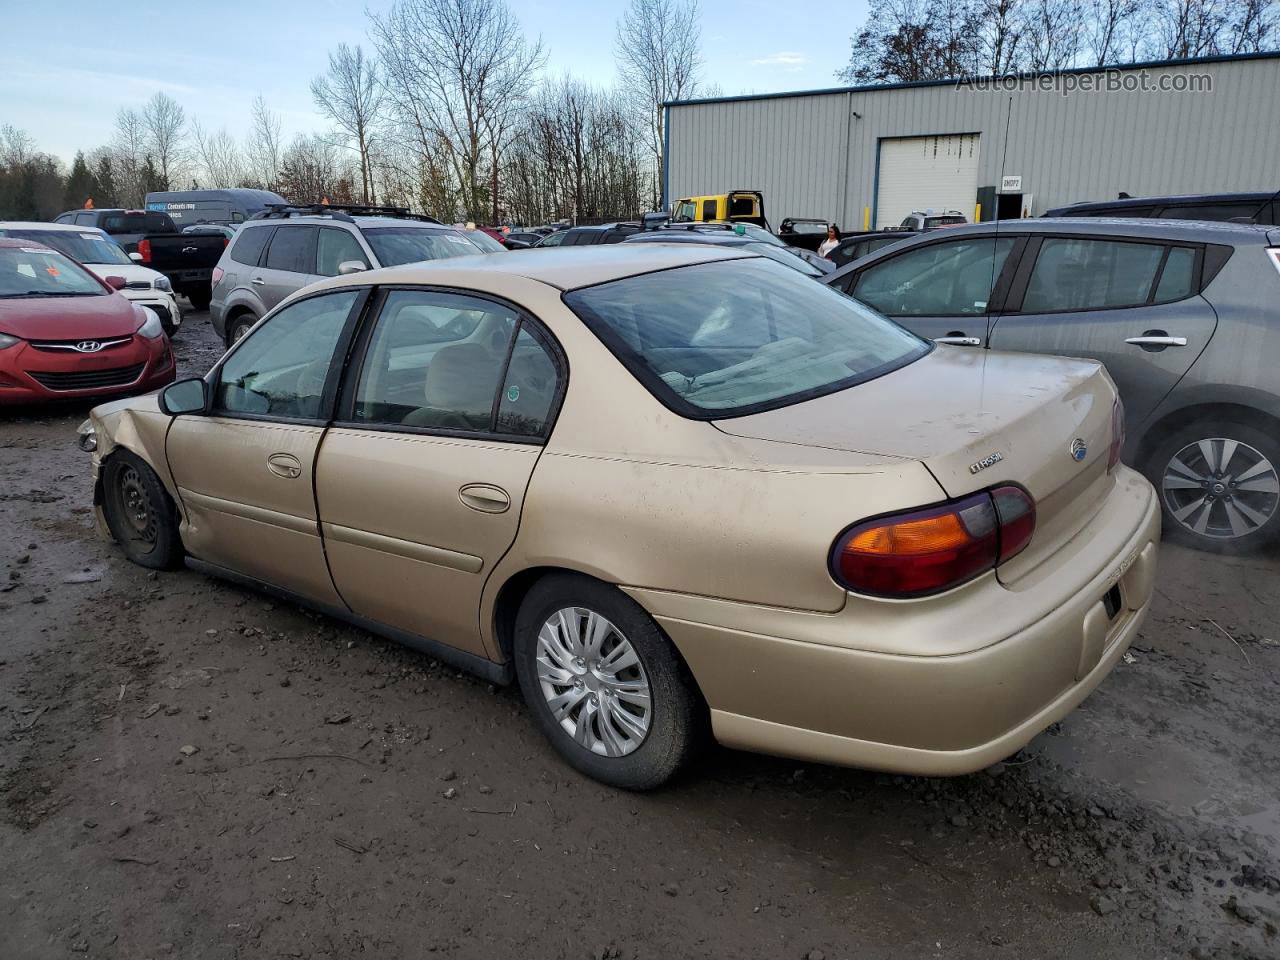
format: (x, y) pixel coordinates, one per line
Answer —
(1221, 488)
(135, 505)
(593, 682)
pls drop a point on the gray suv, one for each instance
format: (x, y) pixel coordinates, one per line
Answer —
(286, 248)
(1185, 315)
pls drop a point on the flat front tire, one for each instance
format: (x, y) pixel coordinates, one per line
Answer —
(139, 512)
(604, 683)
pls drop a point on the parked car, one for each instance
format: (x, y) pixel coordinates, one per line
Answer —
(65, 335)
(745, 206)
(95, 250)
(211, 206)
(596, 233)
(551, 239)
(922, 220)
(556, 476)
(751, 232)
(802, 232)
(278, 253)
(730, 241)
(1182, 314)
(186, 259)
(1260, 207)
(853, 246)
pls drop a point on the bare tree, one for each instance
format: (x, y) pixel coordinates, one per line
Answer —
(313, 170)
(264, 148)
(129, 150)
(658, 53)
(1051, 34)
(1106, 25)
(451, 70)
(1254, 26)
(221, 160)
(350, 94)
(1187, 28)
(165, 125)
(905, 41)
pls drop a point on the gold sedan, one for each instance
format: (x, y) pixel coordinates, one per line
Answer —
(676, 493)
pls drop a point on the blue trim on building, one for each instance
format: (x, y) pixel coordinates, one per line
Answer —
(666, 154)
(1074, 71)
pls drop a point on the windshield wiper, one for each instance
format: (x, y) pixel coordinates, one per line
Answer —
(48, 293)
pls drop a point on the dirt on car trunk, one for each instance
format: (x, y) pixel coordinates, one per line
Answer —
(189, 769)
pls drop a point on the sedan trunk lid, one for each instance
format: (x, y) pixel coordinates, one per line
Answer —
(975, 419)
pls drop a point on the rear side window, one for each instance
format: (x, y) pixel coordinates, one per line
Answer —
(939, 279)
(529, 389)
(1210, 211)
(708, 210)
(1074, 274)
(293, 249)
(247, 248)
(1114, 212)
(85, 218)
(1177, 280)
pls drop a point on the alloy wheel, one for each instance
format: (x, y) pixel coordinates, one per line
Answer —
(1220, 488)
(593, 682)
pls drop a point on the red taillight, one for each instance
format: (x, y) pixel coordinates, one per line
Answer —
(144, 250)
(226, 242)
(928, 551)
(217, 275)
(1117, 435)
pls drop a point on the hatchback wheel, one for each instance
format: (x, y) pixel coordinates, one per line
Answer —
(605, 684)
(139, 512)
(1219, 485)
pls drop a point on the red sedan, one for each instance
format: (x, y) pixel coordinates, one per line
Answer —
(65, 334)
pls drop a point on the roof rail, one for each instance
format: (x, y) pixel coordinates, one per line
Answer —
(338, 211)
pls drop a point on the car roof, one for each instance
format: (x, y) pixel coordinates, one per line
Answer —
(563, 268)
(1200, 231)
(40, 225)
(692, 236)
(1173, 199)
(364, 223)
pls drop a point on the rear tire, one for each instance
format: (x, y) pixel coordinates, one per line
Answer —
(140, 513)
(1218, 485)
(627, 712)
(200, 299)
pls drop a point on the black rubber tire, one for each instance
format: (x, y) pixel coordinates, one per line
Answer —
(679, 727)
(235, 324)
(1265, 443)
(200, 299)
(160, 545)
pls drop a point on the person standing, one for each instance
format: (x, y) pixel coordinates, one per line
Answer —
(829, 244)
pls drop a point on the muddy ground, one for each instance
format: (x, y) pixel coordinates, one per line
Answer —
(189, 769)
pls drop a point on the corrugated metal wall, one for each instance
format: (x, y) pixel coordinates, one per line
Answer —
(815, 156)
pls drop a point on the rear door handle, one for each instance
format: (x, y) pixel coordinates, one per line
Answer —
(485, 497)
(960, 341)
(285, 465)
(258, 280)
(1154, 341)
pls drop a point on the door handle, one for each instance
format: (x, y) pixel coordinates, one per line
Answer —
(485, 497)
(960, 341)
(285, 465)
(258, 280)
(1147, 340)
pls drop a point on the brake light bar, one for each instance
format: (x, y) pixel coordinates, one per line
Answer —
(144, 249)
(923, 552)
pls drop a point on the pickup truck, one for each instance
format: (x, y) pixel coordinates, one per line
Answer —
(153, 240)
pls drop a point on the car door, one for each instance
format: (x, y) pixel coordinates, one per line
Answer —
(940, 290)
(1133, 304)
(289, 264)
(421, 480)
(244, 471)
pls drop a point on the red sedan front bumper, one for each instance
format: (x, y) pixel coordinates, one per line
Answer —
(52, 370)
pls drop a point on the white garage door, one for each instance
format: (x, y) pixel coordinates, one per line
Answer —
(919, 173)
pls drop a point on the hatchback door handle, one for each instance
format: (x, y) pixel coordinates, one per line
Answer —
(485, 497)
(1153, 341)
(258, 280)
(285, 465)
(960, 341)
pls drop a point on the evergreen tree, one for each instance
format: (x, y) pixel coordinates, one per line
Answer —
(82, 185)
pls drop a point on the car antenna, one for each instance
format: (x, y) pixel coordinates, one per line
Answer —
(1257, 213)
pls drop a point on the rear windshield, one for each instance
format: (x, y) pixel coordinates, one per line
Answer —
(738, 336)
(805, 226)
(35, 272)
(396, 245)
(86, 247)
(137, 223)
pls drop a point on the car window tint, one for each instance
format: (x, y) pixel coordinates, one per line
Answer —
(434, 360)
(1178, 279)
(529, 389)
(248, 245)
(940, 279)
(292, 249)
(334, 248)
(280, 368)
(1114, 212)
(1210, 211)
(1074, 274)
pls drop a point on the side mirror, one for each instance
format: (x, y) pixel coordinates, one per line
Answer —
(115, 283)
(185, 396)
(136, 257)
(351, 266)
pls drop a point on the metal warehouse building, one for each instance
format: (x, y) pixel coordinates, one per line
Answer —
(873, 154)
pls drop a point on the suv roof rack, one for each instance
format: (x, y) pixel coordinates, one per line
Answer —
(338, 211)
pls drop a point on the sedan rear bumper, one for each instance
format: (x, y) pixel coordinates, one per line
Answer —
(805, 687)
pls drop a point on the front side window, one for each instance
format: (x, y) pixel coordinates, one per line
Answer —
(334, 248)
(280, 369)
(736, 336)
(38, 272)
(293, 249)
(247, 247)
(396, 245)
(434, 360)
(685, 210)
(938, 279)
(1075, 273)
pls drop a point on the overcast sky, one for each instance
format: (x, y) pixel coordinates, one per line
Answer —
(67, 66)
